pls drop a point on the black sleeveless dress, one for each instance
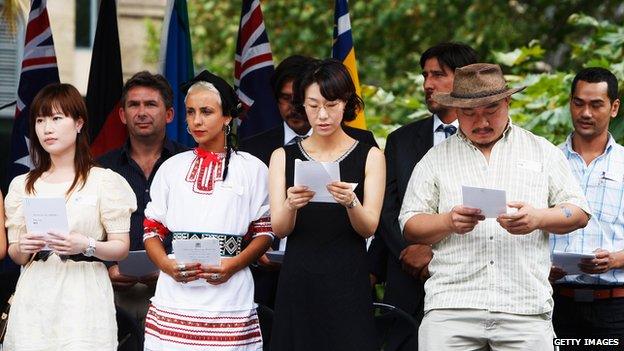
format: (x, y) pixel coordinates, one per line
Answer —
(323, 297)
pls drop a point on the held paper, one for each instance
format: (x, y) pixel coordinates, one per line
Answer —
(205, 251)
(316, 175)
(137, 264)
(45, 215)
(569, 261)
(491, 202)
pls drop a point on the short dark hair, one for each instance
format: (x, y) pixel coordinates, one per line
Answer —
(288, 70)
(334, 82)
(148, 80)
(597, 75)
(450, 54)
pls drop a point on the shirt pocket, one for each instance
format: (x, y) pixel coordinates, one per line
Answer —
(605, 194)
(530, 183)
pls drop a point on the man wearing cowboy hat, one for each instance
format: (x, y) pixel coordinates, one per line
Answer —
(489, 278)
(406, 264)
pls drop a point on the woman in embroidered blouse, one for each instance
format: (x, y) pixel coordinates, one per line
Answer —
(64, 298)
(211, 191)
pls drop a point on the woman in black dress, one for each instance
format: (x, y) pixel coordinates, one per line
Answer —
(323, 299)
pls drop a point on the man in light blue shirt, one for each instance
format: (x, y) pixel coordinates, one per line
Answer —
(591, 304)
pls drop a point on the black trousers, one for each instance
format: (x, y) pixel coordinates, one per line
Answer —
(601, 318)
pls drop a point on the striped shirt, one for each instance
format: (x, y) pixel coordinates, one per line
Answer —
(489, 268)
(603, 183)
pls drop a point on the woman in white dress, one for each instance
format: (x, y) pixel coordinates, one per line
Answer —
(211, 191)
(64, 298)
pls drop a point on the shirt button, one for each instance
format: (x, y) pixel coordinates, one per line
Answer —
(147, 190)
(491, 237)
(491, 262)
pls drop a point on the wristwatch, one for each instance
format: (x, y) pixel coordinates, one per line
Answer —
(353, 203)
(90, 250)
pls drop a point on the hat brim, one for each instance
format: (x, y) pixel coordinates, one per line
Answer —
(445, 99)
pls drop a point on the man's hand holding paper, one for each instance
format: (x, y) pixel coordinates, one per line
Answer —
(603, 262)
(524, 220)
(463, 219)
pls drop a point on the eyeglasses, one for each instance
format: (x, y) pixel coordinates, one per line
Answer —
(331, 107)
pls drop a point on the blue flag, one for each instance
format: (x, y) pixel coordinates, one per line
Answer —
(177, 65)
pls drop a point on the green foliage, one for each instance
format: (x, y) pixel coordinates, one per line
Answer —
(543, 106)
(540, 44)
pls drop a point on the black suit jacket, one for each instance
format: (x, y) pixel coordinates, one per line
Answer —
(263, 144)
(404, 148)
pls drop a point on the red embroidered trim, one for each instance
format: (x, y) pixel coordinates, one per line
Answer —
(156, 335)
(188, 323)
(261, 225)
(153, 320)
(205, 170)
(154, 308)
(152, 226)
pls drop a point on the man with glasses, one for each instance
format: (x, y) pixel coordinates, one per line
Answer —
(489, 278)
(294, 128)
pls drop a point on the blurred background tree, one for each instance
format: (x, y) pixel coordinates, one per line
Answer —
(539, 43)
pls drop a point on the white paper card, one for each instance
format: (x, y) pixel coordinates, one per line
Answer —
(45, 215)
(569, 261)
(137, 264)
(491, 202)
(205, 251)
(316, 176)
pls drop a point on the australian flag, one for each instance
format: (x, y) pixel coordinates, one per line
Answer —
(38, 70)
(252, 72)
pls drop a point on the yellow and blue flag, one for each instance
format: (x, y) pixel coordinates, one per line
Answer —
(344, 51)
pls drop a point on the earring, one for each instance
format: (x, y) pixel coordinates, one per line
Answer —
(227, 129)
(187, 129)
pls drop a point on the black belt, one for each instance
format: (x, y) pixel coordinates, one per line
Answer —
(44, 255)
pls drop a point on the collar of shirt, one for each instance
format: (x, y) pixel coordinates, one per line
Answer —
(569, 150)
(169, 149)
(289, 134)
(437, 121)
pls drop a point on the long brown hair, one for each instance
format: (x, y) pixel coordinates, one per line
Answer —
(66, 99)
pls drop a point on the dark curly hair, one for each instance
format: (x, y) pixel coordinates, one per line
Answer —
(334, 82)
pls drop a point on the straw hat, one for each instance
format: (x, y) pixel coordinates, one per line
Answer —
(476, 85)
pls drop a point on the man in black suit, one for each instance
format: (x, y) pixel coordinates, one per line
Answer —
(407, 264)
(262, 145)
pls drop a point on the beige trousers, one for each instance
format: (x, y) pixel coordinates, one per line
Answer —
(472, 329)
